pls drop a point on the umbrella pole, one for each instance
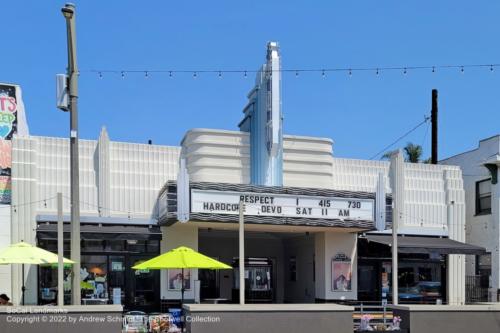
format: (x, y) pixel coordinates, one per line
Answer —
(182, 300)
(23, 288)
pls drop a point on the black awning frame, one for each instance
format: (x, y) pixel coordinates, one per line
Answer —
(96, 232)
(427, 245)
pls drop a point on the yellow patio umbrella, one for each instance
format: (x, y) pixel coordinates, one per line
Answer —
(24, 253)
(182, 258)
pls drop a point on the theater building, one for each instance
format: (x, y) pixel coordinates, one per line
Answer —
(316, 225)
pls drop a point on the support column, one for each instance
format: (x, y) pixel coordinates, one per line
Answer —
(455, 217)
(495, 253)
(329, 246)
(179, 234)
(103, 174)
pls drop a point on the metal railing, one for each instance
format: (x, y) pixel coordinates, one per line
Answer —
(381, 314)
(474, 291)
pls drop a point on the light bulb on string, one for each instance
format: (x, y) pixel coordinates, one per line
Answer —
(100, 75)
(146, 74)
(245, 75)
(296, 73)
(170, 74)
(377, 72)
(405, 71)
(433, 69)
(491, 68)
(323, 73)
(350, 72)
(195, 75)
(462, 70)
(123, 74)
(220, 75)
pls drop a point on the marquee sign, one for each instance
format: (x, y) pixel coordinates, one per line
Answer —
(281, 205)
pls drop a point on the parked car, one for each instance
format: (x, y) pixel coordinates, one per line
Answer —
(422, 292)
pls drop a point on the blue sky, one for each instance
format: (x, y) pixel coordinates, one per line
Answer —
(362, 113)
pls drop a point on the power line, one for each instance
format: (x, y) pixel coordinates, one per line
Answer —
(377, 70)
(426, 119)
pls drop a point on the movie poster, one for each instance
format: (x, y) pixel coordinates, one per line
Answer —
(12, 121)
(341, 276)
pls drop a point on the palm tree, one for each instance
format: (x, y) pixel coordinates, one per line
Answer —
(412, 152)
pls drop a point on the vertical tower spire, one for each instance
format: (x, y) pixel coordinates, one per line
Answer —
(263, 119)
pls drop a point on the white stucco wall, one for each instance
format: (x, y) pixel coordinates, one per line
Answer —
(481, 230)
(172, 237)
(327, 246)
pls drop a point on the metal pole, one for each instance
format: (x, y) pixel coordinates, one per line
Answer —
(23, 289)
(434, 123)
(182, 300)
(60, 252)
(242, 251)
(69, 13)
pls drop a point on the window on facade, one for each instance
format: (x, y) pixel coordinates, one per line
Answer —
(483, 197)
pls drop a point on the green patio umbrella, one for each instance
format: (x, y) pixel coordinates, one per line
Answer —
(24, 253)
(182, 258)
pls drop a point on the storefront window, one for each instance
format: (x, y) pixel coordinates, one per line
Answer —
(106, 274)
(94, 275)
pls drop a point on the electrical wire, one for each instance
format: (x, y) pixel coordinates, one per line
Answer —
(426, 119)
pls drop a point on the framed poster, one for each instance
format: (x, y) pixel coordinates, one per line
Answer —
(175, 279)
(341, 274)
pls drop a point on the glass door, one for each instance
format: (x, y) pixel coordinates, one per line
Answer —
(116, 279)
(143, 292)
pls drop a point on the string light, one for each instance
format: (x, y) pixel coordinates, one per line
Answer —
(322, 71)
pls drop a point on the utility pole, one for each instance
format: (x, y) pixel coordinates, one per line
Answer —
(434, 122)
(69, 14)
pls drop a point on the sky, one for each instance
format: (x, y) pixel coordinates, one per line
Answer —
(362, 113)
